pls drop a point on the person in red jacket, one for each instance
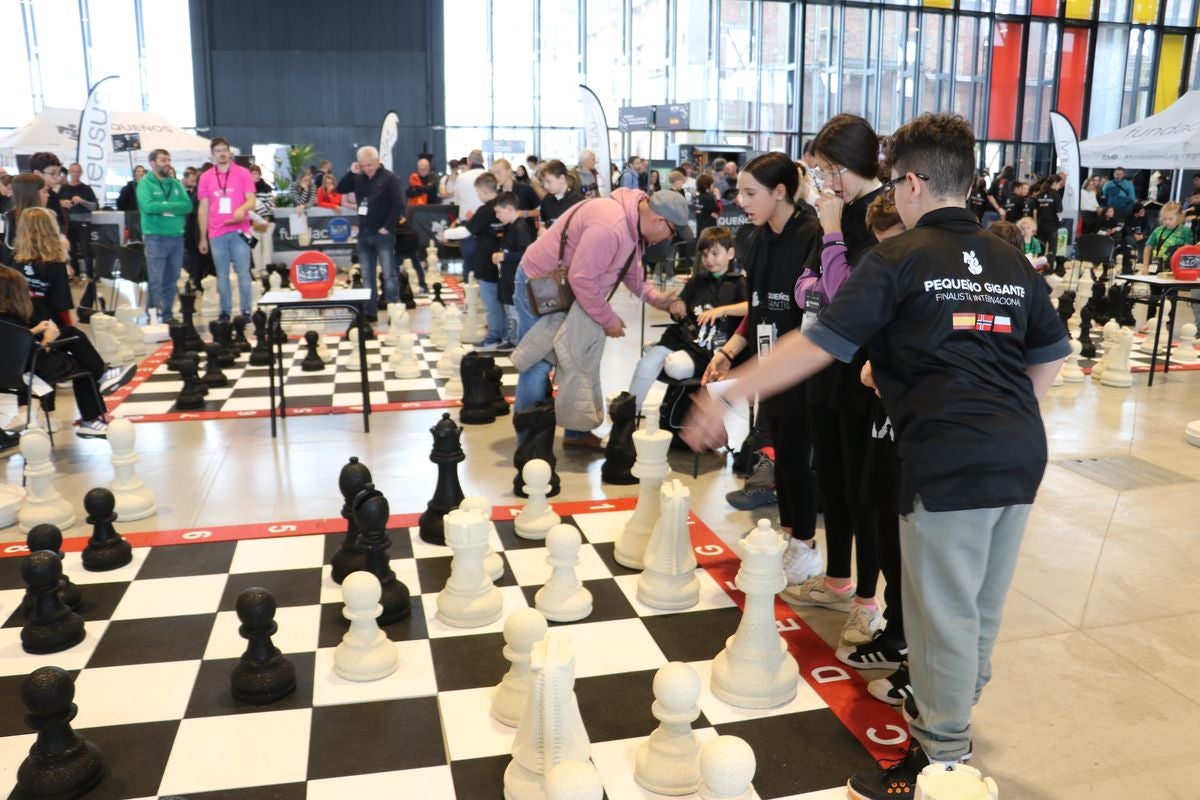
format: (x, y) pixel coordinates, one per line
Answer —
(327, 195)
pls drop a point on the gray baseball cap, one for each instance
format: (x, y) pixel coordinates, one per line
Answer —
(671, 206)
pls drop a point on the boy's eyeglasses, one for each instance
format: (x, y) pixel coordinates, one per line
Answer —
(889, 187)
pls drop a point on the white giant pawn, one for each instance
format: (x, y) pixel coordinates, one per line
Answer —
(651, 469)
(397, 322)
(1109, 343)
(470, 599)
(1116, 369)
(410, 275)
(210, 305)
(1186, 352)
(134, 338)
(493, 565)
(453, 389)
(755, 670)
(366, 653)
(551, 730)
(354, 360)
(125, 354)
(134, 499)
(404, 362)
(524, 628)
(727, 767)
(43, 503)
(537, 517)
(668, 762)
(452, 327)
(1070, 372)
(563, 598)
(432, 275)
(437, 333)
(274, 281)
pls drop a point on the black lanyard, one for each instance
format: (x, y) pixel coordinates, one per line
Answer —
(167, 191)
(1164, 243)
(222, 185)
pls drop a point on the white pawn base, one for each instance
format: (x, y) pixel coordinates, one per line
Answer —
(961, 783)
(575, 607)
(1193, 433)
(751, 683)
(371, 663)
(470, 610)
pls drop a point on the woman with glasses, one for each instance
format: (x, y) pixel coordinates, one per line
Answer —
(846, 152)
(784, 241)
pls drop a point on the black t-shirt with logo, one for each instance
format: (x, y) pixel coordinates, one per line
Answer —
(773, 264)
(1049, 206)
(951, 316)
(979, 203)
(1016, 207)
(49, 288)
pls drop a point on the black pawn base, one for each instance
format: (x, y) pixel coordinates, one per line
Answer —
(619, 454)
(432, 526)
(53, 637)
(62, 765)
(106, 556)
(265, 683)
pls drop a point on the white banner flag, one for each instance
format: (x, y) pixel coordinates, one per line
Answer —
(1066, 144)
(95, 139)
(595, 138)
(388, 134)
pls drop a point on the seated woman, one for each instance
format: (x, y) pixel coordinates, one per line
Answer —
(706, 312)
(327, 195)
(303, 194)
(53, 364)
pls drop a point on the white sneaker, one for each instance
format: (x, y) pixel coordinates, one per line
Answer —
(814, 592)
(15, 423)
(92, 429)
(861, 624)
(801, 562)
(39, 422)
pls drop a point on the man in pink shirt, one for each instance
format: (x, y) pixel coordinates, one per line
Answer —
(603, 236)
(226, 195)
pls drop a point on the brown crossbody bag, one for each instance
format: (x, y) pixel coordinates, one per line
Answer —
(552, 293)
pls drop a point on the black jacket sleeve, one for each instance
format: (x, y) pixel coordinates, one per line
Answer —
(396, 201)
(347, 184)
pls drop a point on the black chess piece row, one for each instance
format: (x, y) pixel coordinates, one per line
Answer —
(483, 397)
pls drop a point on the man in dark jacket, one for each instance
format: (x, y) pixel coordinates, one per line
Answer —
(380, 198)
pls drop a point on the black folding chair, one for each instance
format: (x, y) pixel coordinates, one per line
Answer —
(121, 263)
(18, 348)
(1096, 249)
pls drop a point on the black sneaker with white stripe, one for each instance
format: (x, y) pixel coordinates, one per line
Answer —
(875, 654)
(894, 689)
(116, 377)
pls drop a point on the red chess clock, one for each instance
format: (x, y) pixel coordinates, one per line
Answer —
(312, 274)
(1185, 263)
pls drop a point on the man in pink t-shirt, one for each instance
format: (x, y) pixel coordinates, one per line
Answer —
(226, 195)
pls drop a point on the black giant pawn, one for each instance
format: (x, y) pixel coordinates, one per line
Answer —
(49, 537)
(213, 376)
(260, 356)
(61, 764)
(187, 311)
(191, 396)
(312, 359)
(349, 558)
(437, 293)
(619, 454)
(499, 402)
(106, 549)
(447, 453)
(262, 675)
(371, 515)
(535, 439)
(477, 405)
(1066, 308)
(50, 626)
(240, 342)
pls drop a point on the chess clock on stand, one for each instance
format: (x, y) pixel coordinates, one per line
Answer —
(1185, 263)
(312, 274)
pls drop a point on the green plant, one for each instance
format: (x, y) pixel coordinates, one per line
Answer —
(298, 159)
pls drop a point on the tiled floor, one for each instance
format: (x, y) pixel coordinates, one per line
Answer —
(1094, 692)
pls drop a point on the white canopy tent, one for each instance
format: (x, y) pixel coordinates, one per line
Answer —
(56, 130)
(1168, 140)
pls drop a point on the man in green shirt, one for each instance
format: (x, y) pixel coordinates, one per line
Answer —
(164, 205)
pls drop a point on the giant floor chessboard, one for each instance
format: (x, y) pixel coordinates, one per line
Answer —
(150, 396)
(1138, 361)
(152, 675)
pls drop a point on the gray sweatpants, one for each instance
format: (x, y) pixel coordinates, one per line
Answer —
(956, 569)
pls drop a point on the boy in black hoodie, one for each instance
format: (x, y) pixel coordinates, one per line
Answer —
(511, 241)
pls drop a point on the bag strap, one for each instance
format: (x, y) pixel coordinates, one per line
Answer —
(562, 243)
(621, 276)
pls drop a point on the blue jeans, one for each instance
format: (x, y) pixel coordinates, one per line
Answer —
(489, 292)
(164, 262)
(226, 248)
(379, 247)
(468, 255)
(531, 384)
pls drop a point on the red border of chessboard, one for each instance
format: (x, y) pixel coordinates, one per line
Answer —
(878, 727)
